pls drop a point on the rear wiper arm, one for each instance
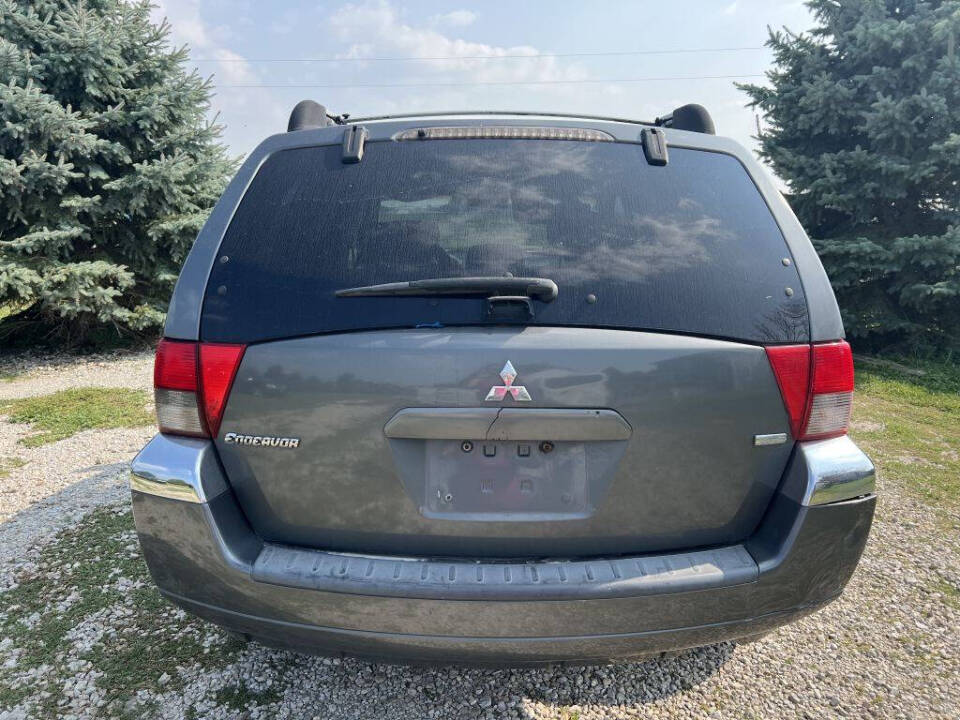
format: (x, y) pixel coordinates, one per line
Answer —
(541, 288)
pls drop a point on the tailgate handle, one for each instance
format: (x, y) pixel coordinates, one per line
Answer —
(509, 308)
(508, 424)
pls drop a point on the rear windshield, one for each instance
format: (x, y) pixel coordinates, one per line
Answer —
(690, 247)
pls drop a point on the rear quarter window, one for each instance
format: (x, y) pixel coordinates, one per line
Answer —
(690, 247)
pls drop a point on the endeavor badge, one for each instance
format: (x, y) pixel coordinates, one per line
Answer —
(261, 440)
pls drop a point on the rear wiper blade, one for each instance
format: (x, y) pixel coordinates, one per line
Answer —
(541, 288)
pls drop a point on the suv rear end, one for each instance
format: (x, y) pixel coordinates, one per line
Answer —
(502, 388)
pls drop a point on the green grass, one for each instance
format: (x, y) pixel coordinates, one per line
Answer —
(64, 413)
(951, 593)
(908, 420)
(7, 464)
(240, 697)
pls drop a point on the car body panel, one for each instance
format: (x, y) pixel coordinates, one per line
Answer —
(349, 486)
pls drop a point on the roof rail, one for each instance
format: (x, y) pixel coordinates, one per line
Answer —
(527, 113)
(692, 117)
(308, 114)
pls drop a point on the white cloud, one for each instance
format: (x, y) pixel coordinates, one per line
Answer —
(187, 26)
(376, 29)
(232, 67)
(731, 9)
(455, 18)
(236, 107)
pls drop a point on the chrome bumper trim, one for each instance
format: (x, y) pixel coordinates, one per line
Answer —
(178, 468)
(164, 488)
(837, 470)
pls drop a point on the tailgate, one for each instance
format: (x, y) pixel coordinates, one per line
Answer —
(523, 442)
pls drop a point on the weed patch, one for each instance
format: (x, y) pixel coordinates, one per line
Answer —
(950, 593)
(8, 464)
(64, 413)
(908, 421)
(240, 697)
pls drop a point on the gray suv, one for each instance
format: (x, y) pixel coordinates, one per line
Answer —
(502, 388)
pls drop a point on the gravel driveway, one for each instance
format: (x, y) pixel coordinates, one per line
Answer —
(889, 648)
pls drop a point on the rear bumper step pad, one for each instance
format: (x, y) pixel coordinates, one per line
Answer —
(465, 580)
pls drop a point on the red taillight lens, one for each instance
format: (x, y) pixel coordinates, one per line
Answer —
(816, 382)
(218, 366)
(175, 367)
(191, 383)
(791, 366)
(832, 368)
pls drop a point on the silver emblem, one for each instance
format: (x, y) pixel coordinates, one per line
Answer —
(499, 392)
(261, 440)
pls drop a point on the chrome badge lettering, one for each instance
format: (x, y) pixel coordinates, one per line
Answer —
(499, 392)
(261, 440)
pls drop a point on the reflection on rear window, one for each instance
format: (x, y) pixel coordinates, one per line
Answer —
(404, 210)
(690, 247)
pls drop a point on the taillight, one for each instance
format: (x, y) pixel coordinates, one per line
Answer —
(175, 389)
(191, 383)
(816, 383)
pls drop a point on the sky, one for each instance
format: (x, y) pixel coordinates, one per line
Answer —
(635, 59)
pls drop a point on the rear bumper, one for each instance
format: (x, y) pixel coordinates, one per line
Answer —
(204, 556)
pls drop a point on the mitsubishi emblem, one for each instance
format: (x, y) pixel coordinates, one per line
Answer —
(499, 392)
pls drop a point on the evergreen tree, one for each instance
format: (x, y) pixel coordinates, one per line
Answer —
(863, 117)
(108, 167)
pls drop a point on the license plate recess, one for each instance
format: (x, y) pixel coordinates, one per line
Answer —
(497, 480)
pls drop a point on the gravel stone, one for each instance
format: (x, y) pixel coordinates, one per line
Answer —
(45, 374)
(49, 469)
